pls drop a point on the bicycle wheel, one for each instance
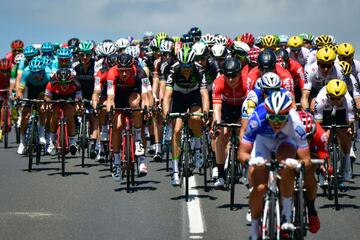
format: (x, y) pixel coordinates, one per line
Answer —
(205, 157)
(272, 221)
(335, 181)
(62, 146)
(30, 149)
(232, 177)
(167, 155)
(37, 144)
(17, 132)
(300, 229)
(128, 161)
(83, 139)
(186, 170)
(6, 126)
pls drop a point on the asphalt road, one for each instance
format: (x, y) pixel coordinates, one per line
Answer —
(87, 204)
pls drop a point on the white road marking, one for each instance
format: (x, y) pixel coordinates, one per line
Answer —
(31, 214)
(196, 221)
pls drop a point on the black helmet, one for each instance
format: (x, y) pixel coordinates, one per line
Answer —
(63, 75)
(195, 32)
(266, 60)
(283, 53)
(124, 60)
(231, 67)
(186, 38)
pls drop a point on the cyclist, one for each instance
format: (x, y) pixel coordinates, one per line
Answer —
(47, 50)
(195, 33)
(276, 127)
(297, 51)
(267, 63)
(248, 38)
(346, 52)
(63, 86)
(283, 40)
(318, 74)
(16, 48)
(351, 81)
(64, 56)
(127, 86)
(5, 70)
(308, 40)
(35, 77)
(251, 62)
(320, 42)
(296, 70)
(229, 92)
(240, 50)
(334, 105)
(186, 87)
(73, 45)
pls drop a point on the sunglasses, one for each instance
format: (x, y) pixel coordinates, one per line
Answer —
(269, 91)
(37, 74)
(277, 118)
(186, 65)
(231, 75)
(345, 58)
(124, 69)
(325, 65)
(64, 82)
(295, 50)
(333, 98)
(85, 55)
(307, 42)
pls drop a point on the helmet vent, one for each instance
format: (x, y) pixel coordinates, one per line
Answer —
(337, 92)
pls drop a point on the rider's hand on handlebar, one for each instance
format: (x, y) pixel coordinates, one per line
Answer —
(291, 163)
(257, 161)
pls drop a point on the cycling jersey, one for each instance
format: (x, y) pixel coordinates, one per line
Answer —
(4, 84)
(318, 144)
(22, 64)
(212, 71)
(311, 58)
(232, 95)
(10, 56)
(356, 68)
(329, 114)
(27, 78)
(165, 68)
(55, 92)
(297, 72)
(179, 83)
(353, 85)
(244, 74)
(302, 57)
(101, 81)
(314, 78)
(86, 78)
(287, 81)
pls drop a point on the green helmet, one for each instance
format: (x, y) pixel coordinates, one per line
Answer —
(86, 47)
(161, 36)
(306, 37)
(186, 55)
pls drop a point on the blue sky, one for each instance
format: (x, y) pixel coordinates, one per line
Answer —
(43, 20)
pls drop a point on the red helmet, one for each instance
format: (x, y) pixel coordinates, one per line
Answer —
(17, 44)
(248, 38)
(252, 55)
(229, 43)
(5, 65)
(308, 122)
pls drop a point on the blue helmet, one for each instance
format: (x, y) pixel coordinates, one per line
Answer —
(47, 61)
(30, 51)
(64, 53)
(37, 64)
(47, 47)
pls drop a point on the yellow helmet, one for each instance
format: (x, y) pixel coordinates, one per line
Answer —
(326, 54)
(345, 49)
(269, 41)
(295, 42)
(346, 68)
(330, 46)
(323, 40)
(336, 87)
(238, 38)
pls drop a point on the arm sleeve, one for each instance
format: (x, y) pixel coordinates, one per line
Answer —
(217, 91)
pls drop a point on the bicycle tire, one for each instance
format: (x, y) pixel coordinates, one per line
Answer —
(82, 139)
(37, 144)
(271, 221)
(335, 178)
(17, 133)
(5, 128)
(30, 148)
(62, 146)
(205, 157)
(128, 161)
(299, 211)
(186, 168)
(232, 177)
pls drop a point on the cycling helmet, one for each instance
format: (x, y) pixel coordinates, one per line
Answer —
(247, 38)
(231, 67)
(5, 65)
(186, 55)
(346, 68)
(308, 122)
(326, 54)
(161, 35)
(266, 60)
(345, 49)
(154, 45)
(252, 56)
(148, 36)
(283, 38)
(124, 60)
(209, 39)
(86, 47)
(270, 80)
(323, 40)
(240, 48)
(63, 76)
(218, 51)
(295, 42)
(269, 41)
(17, 44)
(166, 46)
(130, 39)
(73, 43)
(258, 40)
(186, 38)
(109, 60)
(47, 61)
(336, 87)
(122, 43)
(221, 40)
(30, 51)
(64, 53)
(176, 39)
(47, 47)
(306, 37)
(199, 48)
(333, 47)
(195, 32)
(278, 103)
(107, 48)
(284, 55)
(56, 45)
(133, 51)
(37, 64)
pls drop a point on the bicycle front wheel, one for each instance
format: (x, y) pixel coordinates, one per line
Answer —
(31, 146)
(82, 139)
(62, 146)
(232, 177)
(6, 127)
(128, 161)
(335, 157)
(186, 169)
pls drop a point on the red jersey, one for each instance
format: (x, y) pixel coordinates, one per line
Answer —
(318, 144)
(10, 56)
(55, 92)
(223, 92)
(244, 74)
(4, 84)
(100, 79)
(297, 72)
(285, 77)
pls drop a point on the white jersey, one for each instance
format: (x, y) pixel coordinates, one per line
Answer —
(98, 65)
(311, 58)
(314, 78)
(323, 106)
(303, 55)
(356, 68)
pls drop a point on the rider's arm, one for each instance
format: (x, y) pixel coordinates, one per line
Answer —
(305, 99)
(110, 101)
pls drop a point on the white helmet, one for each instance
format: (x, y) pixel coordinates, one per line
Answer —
(133, 51)
(122, 43)
(221, 40)
(166, 46)
(199, 48)
(209, 39)
(278, 103)
(19, 57)
(218, 50)
(270, 80)
(107, 48)
(239, 46)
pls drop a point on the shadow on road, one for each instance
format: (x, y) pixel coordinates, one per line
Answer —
(69, 173)
(341, 206)
(237, 206)
(182, 197)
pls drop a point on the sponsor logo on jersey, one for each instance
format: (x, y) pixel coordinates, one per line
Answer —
(301, 132)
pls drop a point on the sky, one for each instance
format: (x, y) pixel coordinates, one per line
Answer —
(38, 21)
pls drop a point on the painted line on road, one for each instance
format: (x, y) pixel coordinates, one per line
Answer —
(196, 220)
(31, 214)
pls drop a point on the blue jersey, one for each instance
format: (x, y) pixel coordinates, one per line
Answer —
(22, 64)
(259, 125)
(27, 78)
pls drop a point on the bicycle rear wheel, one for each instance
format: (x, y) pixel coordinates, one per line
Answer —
(62, 146)
(186, 169)
(37, 144)
(6, 127)
(334, 157)
(205, 157)
(30, 149)
(232, 177)
(300, 229)
(82, 140)
(128, 161)
(272, 220)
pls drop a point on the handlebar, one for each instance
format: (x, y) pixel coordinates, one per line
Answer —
(335, 126)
